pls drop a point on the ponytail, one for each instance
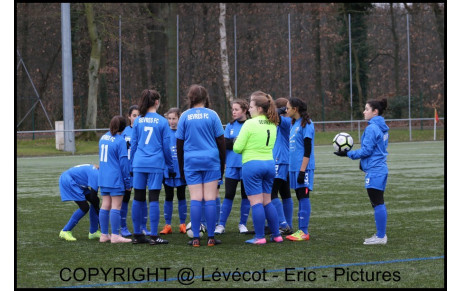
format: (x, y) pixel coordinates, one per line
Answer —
(117, 124)
(380, 105)
(265, 101)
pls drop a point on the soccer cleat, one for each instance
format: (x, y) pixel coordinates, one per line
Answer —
(374, 240)
(298, 236)
(167, 229)
(104, 238)
(94, 235)
(182, 228)
(212, 242)
(242, 228)
(116, 238)
(256, 241)
(286, 230)
(277, 239)
(220, 229)
(67, 235)
(140, 239)
(195, 242)
(156, 240)
(125, 232)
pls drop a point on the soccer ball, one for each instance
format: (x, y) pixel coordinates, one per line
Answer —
(342, 141)
(189, 231)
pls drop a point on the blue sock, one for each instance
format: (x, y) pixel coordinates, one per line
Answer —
(93, 220)
(203, 215)
(225, 210)
(288, 208)
(182, 208)
(145, 215)
(195, 217)
(115, 220)
(380, 216)
(104, 220)
(304, 214)
(280, 211)
(167, 211)
(244, 211)
(136, 215)
(74, 219)
(272, 217)
(154, 217)
(258, 218)
(210, 212)
(123, 213)
(217, 209)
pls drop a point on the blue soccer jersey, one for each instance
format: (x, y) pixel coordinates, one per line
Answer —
(173, 148)
(113, 162)
(85, 176)
(150, 144)
(233, 160)
(296, 145)
(281, 149)
(127, 136)
(198, 128)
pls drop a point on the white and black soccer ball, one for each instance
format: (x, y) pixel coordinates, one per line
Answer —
(342, 141)
(189, 231)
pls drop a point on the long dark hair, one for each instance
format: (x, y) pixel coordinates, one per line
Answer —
(302, 108)
(197, 94)
(148, 98)
(380, 105)
(117, 124)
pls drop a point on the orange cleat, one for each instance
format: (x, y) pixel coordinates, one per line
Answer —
(167, 229)
(182, 228)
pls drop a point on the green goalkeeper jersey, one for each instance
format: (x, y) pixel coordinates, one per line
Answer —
(256, 139)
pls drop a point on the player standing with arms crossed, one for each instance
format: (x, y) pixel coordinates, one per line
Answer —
(255, 142)
(373, 154)
(114, 179)
(201, 156)
(233, 169)
(177, 182)
(301, 163)
(150, 153)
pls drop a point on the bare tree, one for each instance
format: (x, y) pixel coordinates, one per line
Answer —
(223, 53)
(93, 68)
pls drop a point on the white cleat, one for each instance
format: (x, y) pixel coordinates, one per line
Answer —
(242, 228)
(374, 240)
(220, 229)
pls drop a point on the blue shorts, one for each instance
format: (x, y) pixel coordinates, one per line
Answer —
(233, 173)
(376, 181)
(258, 176)
(281, 171)
(308, 181)
(173, 182)
(70, 191)
(152, 180)
(111, 191)
(201, 177)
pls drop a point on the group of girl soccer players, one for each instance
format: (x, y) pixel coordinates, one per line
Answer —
(267, 148)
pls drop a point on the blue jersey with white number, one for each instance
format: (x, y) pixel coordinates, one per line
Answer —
(281, 149)
(127, 136)
(150, 144)
(199, 127)
(296, 145)
(233, 160)
(113, 162)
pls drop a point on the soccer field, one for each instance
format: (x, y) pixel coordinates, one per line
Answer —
(334, 257)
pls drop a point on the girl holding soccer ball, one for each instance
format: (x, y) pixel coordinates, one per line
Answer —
(373, 154)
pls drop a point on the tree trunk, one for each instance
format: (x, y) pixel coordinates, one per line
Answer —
(439, 24)
(223, 53)
(396, 51)
(357, 77)
(93, 68)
